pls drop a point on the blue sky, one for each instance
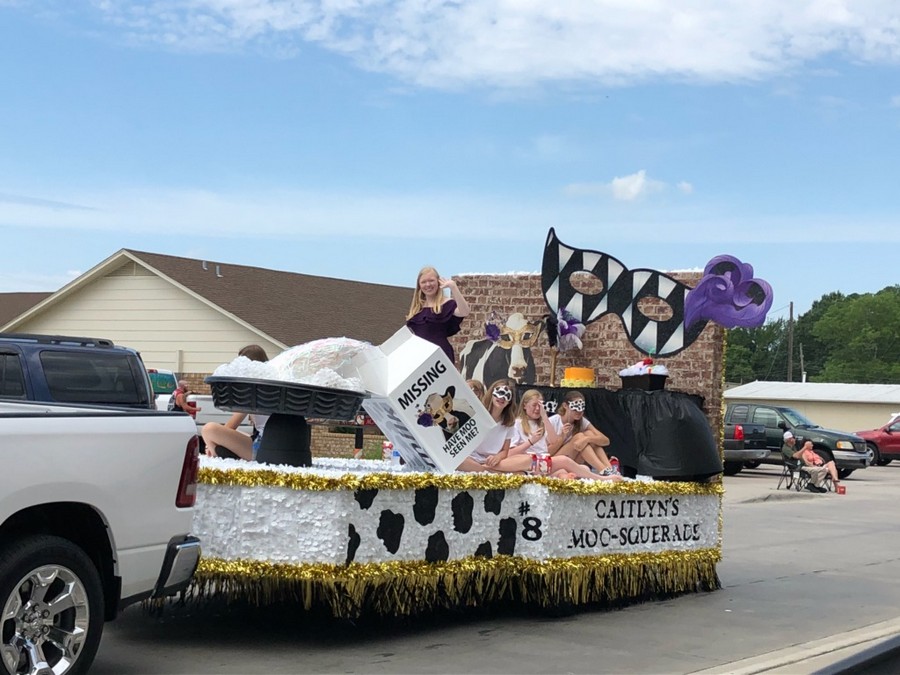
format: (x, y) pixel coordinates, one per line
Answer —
(364, 139)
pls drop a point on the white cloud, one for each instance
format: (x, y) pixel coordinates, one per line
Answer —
(622, 188)
(895, 101)
(686, 187)
(512, 44)
(629, 188)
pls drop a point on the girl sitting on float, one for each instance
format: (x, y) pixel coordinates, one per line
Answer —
(500, 451)
(578, 438)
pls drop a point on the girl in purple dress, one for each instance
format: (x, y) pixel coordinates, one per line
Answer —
(433, 316)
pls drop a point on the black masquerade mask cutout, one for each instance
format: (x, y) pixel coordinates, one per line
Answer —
(621, 292)
(727, 295)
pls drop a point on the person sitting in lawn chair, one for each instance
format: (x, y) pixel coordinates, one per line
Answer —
(794, 456)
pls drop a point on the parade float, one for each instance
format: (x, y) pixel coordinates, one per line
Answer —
(355, 537)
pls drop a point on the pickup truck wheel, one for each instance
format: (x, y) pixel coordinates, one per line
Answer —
(884, 462)
(843, 473)
(51, 607)
(873, 457)
(732, 468)
(752, 464)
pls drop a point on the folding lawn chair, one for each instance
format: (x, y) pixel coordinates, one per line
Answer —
(793, 475)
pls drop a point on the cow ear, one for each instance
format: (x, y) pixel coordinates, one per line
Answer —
(451, 391)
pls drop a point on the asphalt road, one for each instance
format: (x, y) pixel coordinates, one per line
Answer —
(807, 579)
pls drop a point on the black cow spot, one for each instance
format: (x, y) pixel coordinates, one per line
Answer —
(438, 548)
(365, 497)
(353, 540)
(462, 512)
(507, 543)
(425, 505)
(484, 550)
(390, 530)
(492, 501)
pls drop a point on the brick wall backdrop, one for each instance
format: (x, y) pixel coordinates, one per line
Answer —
(699, 369)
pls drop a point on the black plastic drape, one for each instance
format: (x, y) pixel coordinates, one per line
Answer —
(663, 434)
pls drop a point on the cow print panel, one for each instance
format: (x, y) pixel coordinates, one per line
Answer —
(390, 530)
(438, 549)
(462, 506)
(353, 540)
(493, 500)
(484, 550)
(507, 543)
(425, 505)
(365, 497)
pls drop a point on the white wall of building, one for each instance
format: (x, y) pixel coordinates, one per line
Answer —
(169, 327)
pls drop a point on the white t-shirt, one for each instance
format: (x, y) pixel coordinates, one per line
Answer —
(492, 443)
(541, 446)
(558, 423)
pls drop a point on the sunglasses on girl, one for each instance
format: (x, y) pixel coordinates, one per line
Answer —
(503, 393)
(577, 405)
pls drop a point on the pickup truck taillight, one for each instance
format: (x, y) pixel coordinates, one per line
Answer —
(187, 484)
(738, 432)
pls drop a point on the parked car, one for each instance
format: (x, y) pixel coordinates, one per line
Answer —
(745, 445)
(884, 442)
(78, 370)
(164, 384)
(848, 451)
(99, 509)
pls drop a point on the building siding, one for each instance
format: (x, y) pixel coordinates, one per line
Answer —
(171, 328)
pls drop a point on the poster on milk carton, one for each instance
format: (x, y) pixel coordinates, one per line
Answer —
(422, 404)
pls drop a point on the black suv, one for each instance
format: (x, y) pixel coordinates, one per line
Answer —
(62, 369)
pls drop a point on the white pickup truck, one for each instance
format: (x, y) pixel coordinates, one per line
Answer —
(96, 507)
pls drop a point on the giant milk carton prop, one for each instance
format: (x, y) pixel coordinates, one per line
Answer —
(421, 402)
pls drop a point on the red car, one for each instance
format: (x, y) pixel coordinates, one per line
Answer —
(883, 443)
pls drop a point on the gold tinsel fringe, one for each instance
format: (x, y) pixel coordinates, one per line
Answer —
(455, 481)
(412, 587)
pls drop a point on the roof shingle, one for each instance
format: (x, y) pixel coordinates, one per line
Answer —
(289, 307)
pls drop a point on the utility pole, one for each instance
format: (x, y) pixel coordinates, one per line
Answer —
(790, 343)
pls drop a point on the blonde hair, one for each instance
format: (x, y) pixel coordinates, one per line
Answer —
(477, 387)
(418, 301)
(527, 398)
(508, 416)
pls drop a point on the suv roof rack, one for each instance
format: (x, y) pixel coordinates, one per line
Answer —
(58, 339)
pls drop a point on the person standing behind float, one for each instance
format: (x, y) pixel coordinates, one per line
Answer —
(179, 402)
(232, 441)
(433, 316)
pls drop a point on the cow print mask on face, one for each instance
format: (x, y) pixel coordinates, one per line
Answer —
(503, 393)
(577, 405)
(621, 292)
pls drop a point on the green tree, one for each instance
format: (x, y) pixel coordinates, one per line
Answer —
(756, 353)
(815, 351)
(862, 336)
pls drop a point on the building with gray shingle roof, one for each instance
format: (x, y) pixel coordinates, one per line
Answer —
(191, 315)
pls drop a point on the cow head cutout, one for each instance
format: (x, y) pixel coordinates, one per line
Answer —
(508, 354)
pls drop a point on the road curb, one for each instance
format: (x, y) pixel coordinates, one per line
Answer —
(798, 654)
